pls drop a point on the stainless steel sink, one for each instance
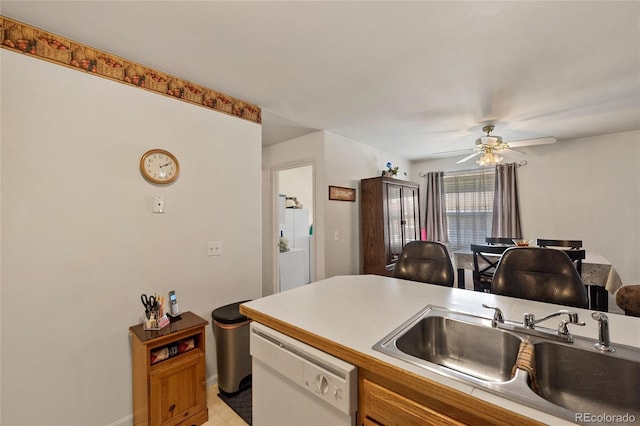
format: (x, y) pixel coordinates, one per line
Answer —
(476, 350)
(574, 379)
(456, 343)
(584, 380)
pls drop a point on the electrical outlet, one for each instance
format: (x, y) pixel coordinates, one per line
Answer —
(214, 248)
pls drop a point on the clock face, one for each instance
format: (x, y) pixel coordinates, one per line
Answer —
(159, 166)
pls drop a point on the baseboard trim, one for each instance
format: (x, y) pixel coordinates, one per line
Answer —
(213, 380)
(125, 421)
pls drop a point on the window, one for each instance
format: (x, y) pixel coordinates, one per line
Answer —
(469, 204)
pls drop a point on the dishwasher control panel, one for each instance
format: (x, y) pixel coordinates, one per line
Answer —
(325, 376)
(326, 385)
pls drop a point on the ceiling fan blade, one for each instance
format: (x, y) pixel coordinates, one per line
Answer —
(451, 153)
(516, 150)
(532, 142)
(469, 157)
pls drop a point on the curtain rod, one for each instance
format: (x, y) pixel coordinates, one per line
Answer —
(518, 164)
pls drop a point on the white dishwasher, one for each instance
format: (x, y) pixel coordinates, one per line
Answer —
(298, 385)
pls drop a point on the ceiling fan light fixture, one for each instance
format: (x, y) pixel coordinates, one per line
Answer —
(489, 158)
(488, 147)
(489, 140)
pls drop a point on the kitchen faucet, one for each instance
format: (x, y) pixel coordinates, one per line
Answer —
(498, 316)
(530, 321)
(563, 330)
(604, 342)
(528, 325)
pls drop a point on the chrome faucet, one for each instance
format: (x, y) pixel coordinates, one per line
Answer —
(563, 330)
(604, 342)
(528, 325)
(498, 317)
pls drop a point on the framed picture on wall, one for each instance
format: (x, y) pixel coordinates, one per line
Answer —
(340, 193)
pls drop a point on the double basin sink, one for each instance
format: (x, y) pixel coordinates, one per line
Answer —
(571, 380)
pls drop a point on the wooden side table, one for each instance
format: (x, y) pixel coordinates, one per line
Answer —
(171, 391)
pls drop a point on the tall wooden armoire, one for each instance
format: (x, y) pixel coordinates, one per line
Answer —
(389, 218)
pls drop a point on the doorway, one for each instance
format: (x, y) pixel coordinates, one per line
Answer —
(294, 194)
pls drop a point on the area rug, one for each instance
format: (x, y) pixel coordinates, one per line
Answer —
(240, 403)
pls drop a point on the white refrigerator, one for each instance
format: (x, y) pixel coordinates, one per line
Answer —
(295, 228)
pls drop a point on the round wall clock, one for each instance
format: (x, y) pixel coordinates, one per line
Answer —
(159, 166)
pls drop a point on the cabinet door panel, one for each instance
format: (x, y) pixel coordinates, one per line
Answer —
(178, 391)
(410, 211)
(385, 407)
(394, 222)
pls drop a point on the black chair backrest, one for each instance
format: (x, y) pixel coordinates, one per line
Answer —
(425, 261)
(574, 244)
(572, 248)
(542, 274)
(484, 264)
(499, 240)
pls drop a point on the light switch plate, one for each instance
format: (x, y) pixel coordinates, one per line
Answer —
(158, 204)
(214, 248)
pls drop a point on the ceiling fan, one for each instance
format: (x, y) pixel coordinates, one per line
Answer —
(490, 146)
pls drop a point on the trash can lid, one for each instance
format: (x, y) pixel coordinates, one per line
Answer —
(229, 314)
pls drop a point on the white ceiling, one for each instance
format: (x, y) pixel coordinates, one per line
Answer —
(414, 78)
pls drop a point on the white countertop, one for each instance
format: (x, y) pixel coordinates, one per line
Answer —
(356, 311)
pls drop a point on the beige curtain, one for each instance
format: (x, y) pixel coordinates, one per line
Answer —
(506, 209)
(436, 215)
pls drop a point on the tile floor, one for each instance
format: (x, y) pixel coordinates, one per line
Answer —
(220, 414)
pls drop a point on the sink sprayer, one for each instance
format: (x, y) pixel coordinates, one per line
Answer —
(604, 342)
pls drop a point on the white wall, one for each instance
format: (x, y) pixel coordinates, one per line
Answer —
(589, 189)
(80, 243)
(298, 182)
(586, 189)
(1, 315)
(346, 162)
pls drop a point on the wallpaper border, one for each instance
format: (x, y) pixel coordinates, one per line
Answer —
(19, 37)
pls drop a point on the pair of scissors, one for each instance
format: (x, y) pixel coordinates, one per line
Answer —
(149, 302)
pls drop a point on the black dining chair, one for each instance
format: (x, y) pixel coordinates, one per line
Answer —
(499, 240)
(572, 244)
(542, 274)
(425, 261)
(485, 262)
(573, 248)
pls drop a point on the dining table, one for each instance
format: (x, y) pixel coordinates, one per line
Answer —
(598, 274)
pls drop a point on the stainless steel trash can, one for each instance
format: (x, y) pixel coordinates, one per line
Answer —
(231, 332)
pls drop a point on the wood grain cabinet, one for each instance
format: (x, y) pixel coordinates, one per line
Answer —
(390, 218)
(403, 400)
(169, 373)
(381, 406)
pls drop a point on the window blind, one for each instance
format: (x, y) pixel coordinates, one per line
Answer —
(469, 205)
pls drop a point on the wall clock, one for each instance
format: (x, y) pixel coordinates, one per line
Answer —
(159, 166)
